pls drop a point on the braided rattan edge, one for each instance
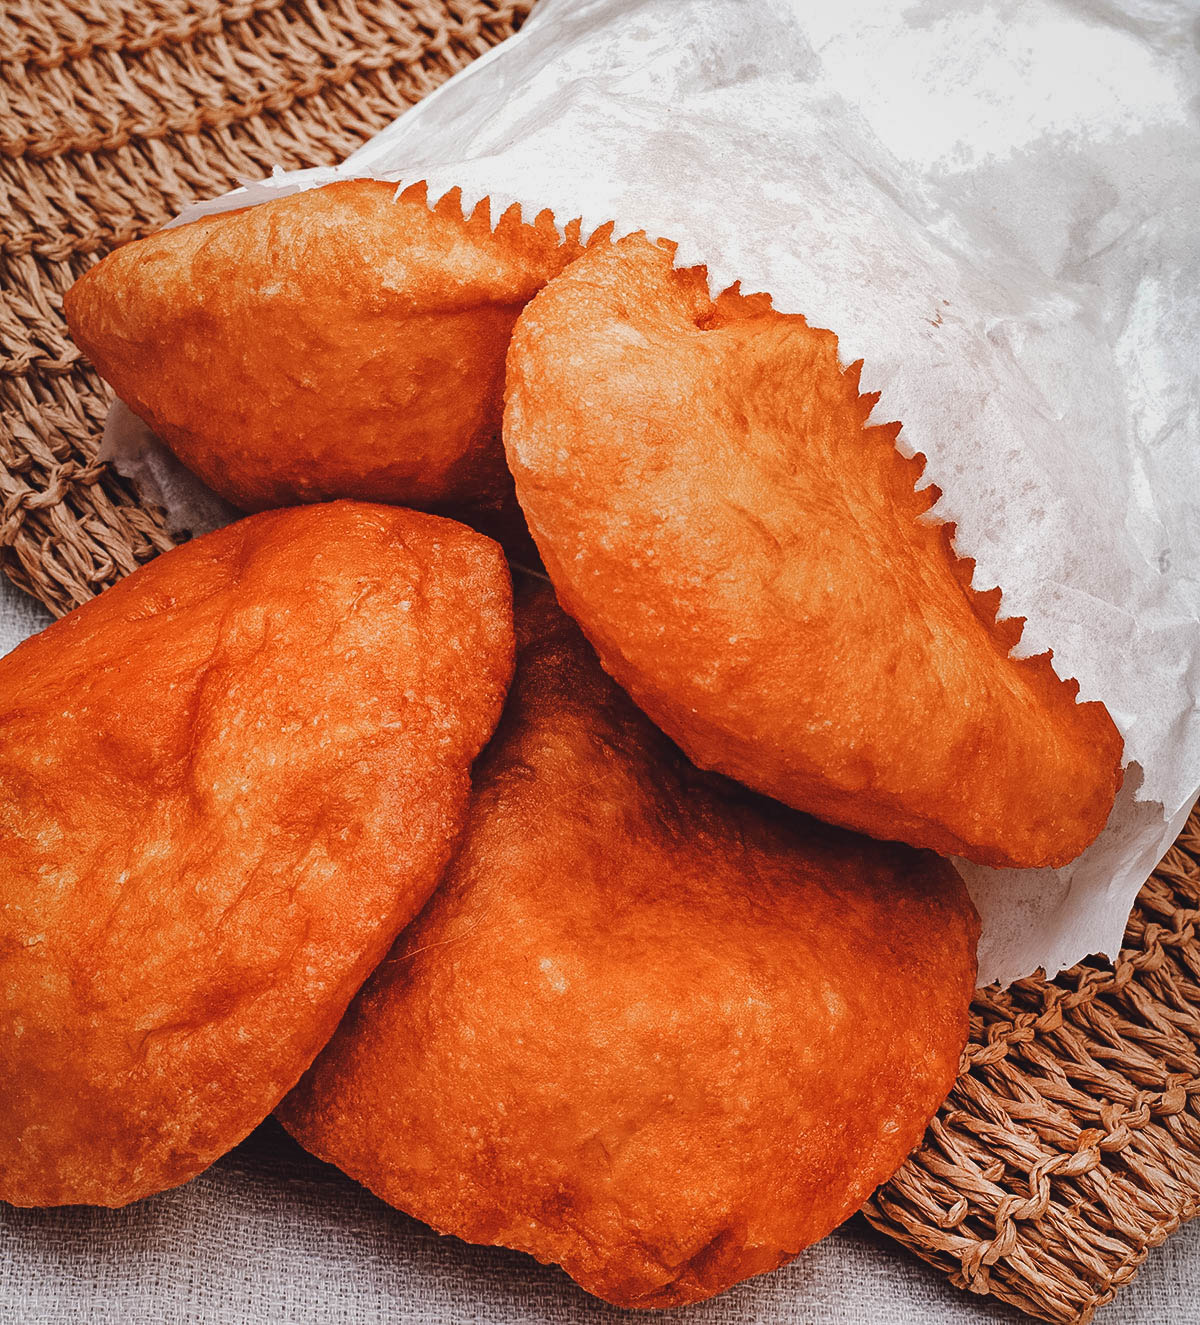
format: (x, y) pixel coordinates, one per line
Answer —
(1070, 1144)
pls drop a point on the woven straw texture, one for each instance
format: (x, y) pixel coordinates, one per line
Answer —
(1071, 1143)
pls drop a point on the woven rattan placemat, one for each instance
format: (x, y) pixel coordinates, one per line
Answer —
(1071, 1143)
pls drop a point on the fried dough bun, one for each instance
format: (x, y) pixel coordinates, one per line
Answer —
(225, 785)
(652, 1027)
(333, 343)
(746, 555)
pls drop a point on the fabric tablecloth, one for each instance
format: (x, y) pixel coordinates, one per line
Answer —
(270, 1236)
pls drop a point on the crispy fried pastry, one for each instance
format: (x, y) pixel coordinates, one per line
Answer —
(652, 1027)
(747, 557)
(334, 343)
(225, 786)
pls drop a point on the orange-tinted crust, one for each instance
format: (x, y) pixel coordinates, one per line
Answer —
(334, 343)
(652, 1027)
(225, 786)
(745, 553)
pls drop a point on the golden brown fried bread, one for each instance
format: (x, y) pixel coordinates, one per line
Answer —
(335, 343)
(745, 553)
(225, 786)
(652, 1027)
